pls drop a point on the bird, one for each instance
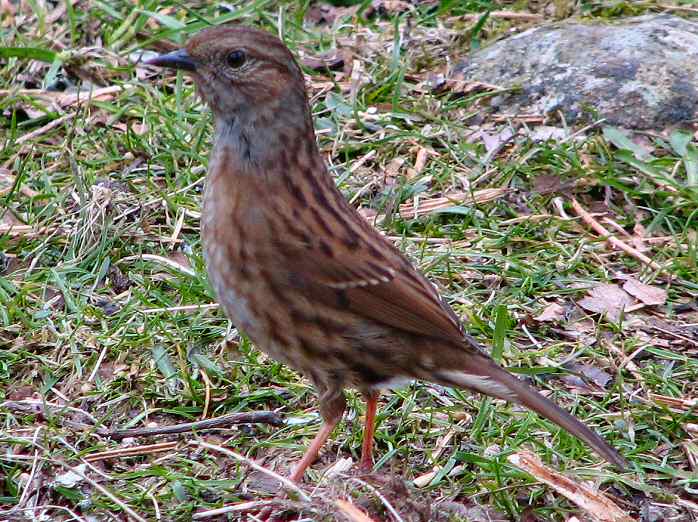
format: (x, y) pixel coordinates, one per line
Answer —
(300, 271)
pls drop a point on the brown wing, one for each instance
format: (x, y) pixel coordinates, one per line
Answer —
(374, 281)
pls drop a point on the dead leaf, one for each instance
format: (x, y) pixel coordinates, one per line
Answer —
(392, 171)
(596, 375)
(419, 163)
(547, 183)
(369, 214)
(180, 258)
(72, 477)
(494, 142)
(551, 313)
(606, 299)
(650, 295)
(595, 503)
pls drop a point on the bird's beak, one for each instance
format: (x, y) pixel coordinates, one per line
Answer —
(178, 59)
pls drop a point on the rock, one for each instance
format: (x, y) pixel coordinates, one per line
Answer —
(639, 74)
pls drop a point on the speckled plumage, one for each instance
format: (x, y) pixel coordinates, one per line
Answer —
(298, 269)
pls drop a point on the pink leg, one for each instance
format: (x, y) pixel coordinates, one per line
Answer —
(313, 450)
(369, 430)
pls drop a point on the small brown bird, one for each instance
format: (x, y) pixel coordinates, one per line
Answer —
(299, 270)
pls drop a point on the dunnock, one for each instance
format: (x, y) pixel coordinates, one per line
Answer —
(299, 270)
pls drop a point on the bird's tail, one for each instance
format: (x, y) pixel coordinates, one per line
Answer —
(483, 375)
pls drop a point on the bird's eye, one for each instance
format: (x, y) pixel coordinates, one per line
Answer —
(235, 59)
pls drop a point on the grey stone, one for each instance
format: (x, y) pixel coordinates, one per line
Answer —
(639, 74)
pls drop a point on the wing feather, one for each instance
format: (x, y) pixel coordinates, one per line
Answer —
(388, 290)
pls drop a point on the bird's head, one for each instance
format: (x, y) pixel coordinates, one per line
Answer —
(240, 70)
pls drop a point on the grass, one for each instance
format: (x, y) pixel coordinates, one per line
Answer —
(105, 247)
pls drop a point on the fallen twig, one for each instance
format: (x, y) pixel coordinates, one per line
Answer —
(252, 417)
(598, 505)
(131, 451)
(601, 230)
(243, 507)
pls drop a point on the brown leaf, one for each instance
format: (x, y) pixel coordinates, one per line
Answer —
(595, 503)
(547, 183)
(392, 171)
(606, 299)
(551, 313)
(494, 142)
(650, 295)
(180, 258)
(591, 372)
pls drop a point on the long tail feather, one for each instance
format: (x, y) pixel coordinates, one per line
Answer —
(485, 376)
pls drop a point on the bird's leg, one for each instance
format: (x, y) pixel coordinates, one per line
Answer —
(369, 430)
(332, 404)
(313, 450)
